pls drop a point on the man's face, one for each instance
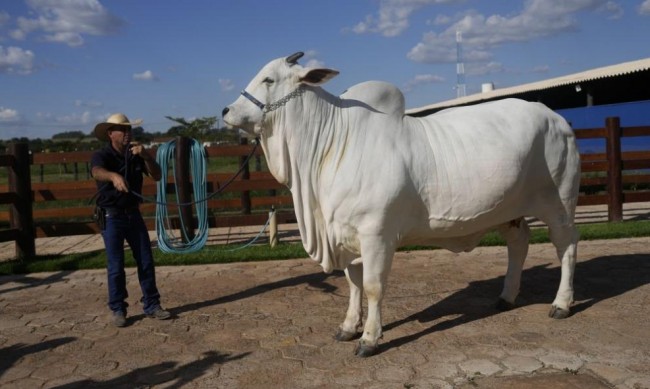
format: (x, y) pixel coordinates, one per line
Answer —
(120, 135)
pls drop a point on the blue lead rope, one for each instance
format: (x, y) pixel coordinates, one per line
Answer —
(180, 243)
(167, 241)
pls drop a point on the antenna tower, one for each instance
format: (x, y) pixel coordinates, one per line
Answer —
(460, 66)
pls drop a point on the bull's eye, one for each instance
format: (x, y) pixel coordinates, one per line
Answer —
(268, 81)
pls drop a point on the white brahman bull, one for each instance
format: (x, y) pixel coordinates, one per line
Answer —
(366, 179)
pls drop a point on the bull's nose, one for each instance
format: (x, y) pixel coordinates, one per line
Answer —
(225, 111)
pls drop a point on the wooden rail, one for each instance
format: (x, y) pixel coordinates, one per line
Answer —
(607, 178)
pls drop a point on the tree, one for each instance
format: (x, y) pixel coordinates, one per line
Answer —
(140, 135)
(198, 128)
(69, 135)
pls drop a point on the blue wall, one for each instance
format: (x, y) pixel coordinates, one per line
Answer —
(631, 114)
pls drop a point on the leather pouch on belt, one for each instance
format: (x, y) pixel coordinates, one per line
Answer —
(99, 216)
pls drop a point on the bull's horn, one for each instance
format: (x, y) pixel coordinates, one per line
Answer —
(293, 58)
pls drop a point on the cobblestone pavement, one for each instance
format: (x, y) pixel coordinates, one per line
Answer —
(270, 325)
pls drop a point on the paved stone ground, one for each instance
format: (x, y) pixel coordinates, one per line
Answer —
(270, 325)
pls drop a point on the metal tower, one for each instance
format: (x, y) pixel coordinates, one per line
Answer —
(460, 66)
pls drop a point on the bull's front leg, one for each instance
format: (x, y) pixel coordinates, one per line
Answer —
(377, 258)
(354, 317)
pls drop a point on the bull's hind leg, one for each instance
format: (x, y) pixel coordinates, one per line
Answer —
(565, 240)
(354, 317)
(517, 234)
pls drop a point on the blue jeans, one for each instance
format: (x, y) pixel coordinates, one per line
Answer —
(129, 226)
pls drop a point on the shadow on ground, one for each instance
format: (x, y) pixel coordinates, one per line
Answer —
(9, 355)
(30, 282)
(596, 280)
(315, 280)
(161, 373)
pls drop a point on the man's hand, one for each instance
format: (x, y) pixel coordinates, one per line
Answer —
(138, 149)
(153, 169)
(101, 174)
(119, 183)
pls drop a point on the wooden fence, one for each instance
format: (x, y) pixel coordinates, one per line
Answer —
(18, 195)
(607, 170)
(245, 201)
(248, 198)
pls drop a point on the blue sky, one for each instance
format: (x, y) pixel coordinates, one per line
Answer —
(67, 64)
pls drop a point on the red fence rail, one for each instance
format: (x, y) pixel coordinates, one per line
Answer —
(608, 178)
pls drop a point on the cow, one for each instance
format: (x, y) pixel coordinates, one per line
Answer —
(366, 179)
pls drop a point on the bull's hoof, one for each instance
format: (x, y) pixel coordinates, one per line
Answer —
(364, 350)
(558, 313)
(503, 305)
(344, 336)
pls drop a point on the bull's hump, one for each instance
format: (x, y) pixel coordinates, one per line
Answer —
(380, 96)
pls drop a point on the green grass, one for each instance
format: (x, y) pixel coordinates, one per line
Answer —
(234, 253)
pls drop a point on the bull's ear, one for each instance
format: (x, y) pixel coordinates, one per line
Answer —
(317, 76)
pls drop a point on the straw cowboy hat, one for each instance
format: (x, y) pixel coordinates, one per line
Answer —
(116, 119)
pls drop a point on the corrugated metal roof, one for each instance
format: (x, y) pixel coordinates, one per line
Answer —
(593, 74)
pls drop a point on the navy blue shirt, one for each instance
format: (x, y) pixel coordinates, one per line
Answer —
(130, 166)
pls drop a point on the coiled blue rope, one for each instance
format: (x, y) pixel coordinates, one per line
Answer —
(167, 241)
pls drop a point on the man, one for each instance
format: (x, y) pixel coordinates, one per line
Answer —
(118, 169)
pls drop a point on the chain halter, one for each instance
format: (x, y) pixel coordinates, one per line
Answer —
(266, 108)
(283, 101)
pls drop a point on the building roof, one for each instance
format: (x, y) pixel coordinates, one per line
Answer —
(572, 79)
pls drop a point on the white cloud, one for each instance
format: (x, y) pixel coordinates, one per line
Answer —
(147, 75)
(226, 85)
(314, 63)
(8, 115)
(422, 79)
(88, 104)
(440, 20)
(18, 35)
(393, 16)
(4, 18)
(441, 48)
(541, 69)
(67, 21)
(69, 38)
(644, 8)
(614, 10)
(483, 33)
(482, 68)
(16, 60)
(311, 61)
(83, 118)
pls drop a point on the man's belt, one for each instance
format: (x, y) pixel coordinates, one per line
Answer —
(120, 211)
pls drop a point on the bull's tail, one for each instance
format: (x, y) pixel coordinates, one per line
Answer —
(568, 182)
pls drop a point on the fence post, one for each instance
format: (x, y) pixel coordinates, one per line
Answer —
(614, 170)
(245, 175)
(183, 183)
(20, 214)
(273, 228)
